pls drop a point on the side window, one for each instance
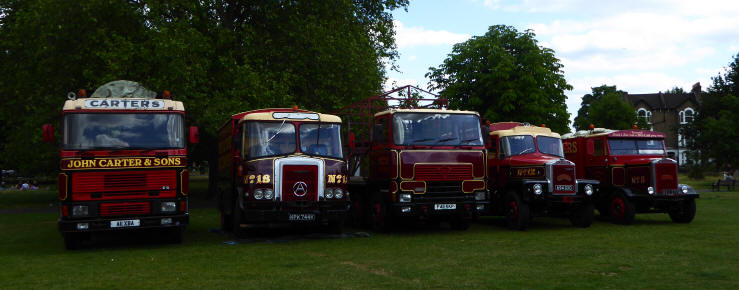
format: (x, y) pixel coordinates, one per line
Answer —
(502, 148)
(381, 131)
(493, 142)
(598, 147)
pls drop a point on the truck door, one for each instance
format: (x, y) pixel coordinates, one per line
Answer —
(493, 162)
(596, 160)
(383, 164)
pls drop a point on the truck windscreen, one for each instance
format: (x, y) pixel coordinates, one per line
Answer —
(323, 141)
(269, 139)
(550, 145)
(432, 129)
(86, 131)
(623, 146)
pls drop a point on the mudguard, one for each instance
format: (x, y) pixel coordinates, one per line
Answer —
(691, 191)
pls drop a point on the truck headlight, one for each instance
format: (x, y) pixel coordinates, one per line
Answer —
(404, 197)
(338, 193)
(589, 189)
(168, 206)
(259, 194)
(650, 190)
(329, 193)
(684, 189)
(479, 195)
(80, 210)
(269, 193)
(537, 189)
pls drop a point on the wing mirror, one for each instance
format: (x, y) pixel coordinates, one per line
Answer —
(48, 131)
(194, 135)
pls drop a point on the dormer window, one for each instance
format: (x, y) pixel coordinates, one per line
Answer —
(644, 114)
(687, 115)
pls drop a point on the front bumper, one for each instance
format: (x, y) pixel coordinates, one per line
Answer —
(440, 208)
(97, 224)
(281, 212)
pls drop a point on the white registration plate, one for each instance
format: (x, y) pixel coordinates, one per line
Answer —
(302, 217)
(564, 188)
(445, 206)
(125, 223)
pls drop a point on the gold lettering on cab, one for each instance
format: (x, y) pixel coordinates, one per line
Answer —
(336, 179)
(258, 179)
(638, 179)
(133, 162)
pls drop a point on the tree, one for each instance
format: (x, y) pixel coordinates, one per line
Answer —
(219, 57)
(712, 136)
(506, 76)
(606, 108)
(675, 90)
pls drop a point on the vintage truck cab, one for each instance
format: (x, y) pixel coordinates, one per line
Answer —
(528, 175)
(634, 173)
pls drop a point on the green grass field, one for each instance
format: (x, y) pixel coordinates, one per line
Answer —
(652, 253)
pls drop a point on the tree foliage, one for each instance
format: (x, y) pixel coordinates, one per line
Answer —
(506, 76)
(712, 136)
(218, 56)
(606, 108)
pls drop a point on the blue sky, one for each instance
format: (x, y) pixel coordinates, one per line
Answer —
(639, 46)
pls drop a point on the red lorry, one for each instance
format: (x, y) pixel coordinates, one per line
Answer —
(528, 175)
(123, 162)
(634, 173)
(413, 161)
(281, 167)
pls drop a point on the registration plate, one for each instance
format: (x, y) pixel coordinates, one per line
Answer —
(445, 206)
(564, 187)
(125, 223)
(302, 217)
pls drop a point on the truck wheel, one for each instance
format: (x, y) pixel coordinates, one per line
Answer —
(518, 214)
(684, 213)
(379, 218)
(236, 221)
(459, 224)
(226, 219)
(622, 210)
(582, 217)
(72, 241)
(225, 222)
(175, 235)
(335, 227)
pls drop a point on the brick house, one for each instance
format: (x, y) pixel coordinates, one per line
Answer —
(666, 113)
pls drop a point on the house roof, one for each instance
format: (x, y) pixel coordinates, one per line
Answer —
(661, 100)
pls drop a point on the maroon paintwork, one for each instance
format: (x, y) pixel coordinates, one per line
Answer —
(630, 183)
(238, 176)
(511, 179)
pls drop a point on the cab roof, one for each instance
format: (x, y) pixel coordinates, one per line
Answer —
(279, 114)
(426, 111)
(634, 133)
(503, 129)
(126, 104)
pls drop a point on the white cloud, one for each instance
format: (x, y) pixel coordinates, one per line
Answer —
(415, 36)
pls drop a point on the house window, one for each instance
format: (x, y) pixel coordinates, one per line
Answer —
(687, 115)
(644, 114)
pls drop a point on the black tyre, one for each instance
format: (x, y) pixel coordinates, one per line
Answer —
(379, 216)
(226, 219)
(335, 227)
(684, 213)
(518, 214)
(459, 224)
(236, 221)
(621, 209)
(174, 235)
(72, 241)
(583, 216)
